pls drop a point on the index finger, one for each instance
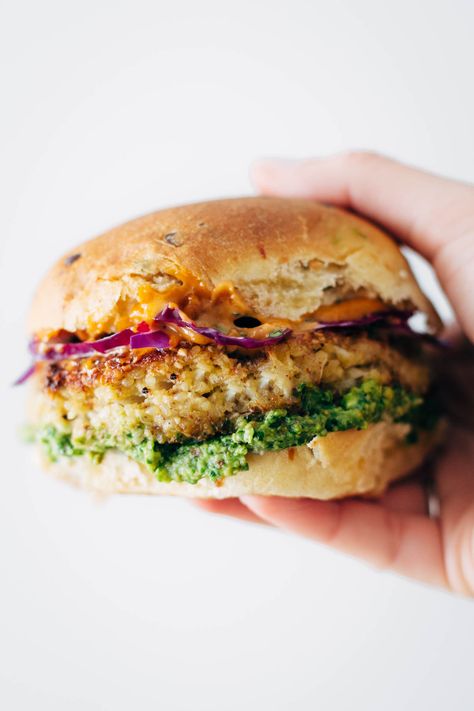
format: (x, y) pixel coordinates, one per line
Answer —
(407, 544)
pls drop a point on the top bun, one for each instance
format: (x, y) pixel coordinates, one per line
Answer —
(284, 256)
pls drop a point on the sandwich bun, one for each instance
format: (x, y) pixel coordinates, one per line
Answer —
(285, 258)
(281, 255)
(341, 464)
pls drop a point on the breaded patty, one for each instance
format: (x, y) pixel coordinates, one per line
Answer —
(193, 391)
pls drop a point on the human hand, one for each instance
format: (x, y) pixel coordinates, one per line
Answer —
(434, 216)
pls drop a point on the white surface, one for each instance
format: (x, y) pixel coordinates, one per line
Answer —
(111, 109)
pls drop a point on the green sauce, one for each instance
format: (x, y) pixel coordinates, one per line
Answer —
(320, 411)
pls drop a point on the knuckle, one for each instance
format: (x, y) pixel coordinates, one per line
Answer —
(360, 160)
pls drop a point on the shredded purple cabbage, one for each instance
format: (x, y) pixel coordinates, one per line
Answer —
(26, 375)
(394, 316)
(396, 320)
(142, 338)
(150, 339)
(59, 351)
(172, 316)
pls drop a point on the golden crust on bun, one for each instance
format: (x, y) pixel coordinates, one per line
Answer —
(284, 258)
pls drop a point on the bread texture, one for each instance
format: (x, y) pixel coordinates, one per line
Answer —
(286, 257)
(340, 464)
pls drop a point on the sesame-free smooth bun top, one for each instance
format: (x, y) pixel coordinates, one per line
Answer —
(284, 258)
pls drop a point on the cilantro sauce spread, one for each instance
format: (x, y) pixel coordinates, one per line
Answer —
(320, 412)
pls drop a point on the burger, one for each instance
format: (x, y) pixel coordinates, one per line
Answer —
(239, 346)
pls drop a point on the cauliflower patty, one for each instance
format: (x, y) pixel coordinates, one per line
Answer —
(192, 392)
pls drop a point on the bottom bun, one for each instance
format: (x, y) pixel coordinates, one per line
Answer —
(341, 464)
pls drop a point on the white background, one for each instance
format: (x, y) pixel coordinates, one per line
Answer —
(111, 109)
